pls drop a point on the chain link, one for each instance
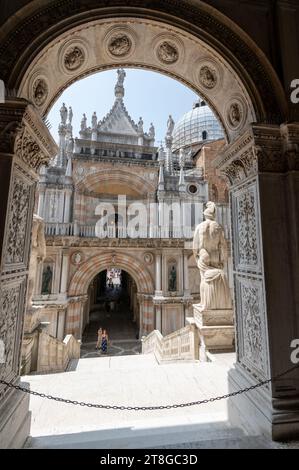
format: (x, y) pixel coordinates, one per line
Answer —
(147, 408)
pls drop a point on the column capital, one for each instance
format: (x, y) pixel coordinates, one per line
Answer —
(24, 134)
(260, 149)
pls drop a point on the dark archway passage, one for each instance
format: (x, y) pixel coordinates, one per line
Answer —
(113, 306)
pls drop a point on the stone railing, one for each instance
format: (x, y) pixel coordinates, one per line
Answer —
(55, 355)
(180, 345)
(74, 229)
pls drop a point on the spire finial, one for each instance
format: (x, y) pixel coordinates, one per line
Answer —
(119, 87)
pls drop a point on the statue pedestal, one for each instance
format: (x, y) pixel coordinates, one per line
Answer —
(216, 329)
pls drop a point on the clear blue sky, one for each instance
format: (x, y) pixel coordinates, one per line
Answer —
(148, 94)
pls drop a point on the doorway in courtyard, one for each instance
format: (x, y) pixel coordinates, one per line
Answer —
(112, 306)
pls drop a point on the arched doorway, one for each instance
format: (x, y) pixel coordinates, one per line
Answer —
(203, 49)
(112, 305)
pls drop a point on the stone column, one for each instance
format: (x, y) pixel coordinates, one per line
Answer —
(264, 188)
(186, 276)
(158, 325)
(41, 202)
(158, 274)
(64, 271)
(25, 145)
(67, 206)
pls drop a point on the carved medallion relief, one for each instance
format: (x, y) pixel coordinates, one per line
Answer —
(119, 45)
(40, 91)
(167, 52)
(208, 77)
(74, 58)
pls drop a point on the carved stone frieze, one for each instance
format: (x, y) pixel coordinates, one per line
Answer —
(28, 150)
(252, 327)
(245, 216)
(16, 246)
(12, 295)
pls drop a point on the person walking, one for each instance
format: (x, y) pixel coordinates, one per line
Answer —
(104, 343)
(99, 341)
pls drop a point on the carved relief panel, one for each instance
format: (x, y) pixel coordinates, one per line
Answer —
(251, 325)
(246, 231)
(18, 227)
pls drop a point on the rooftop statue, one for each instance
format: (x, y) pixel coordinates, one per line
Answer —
(70, 115)
(210, 251)
(84, 123)
(152, 130)
(63, 113)
(94, 121)
(121, 77)
(140, 125)
(170, 125)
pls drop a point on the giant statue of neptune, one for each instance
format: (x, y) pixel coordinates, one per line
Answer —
(210, 251)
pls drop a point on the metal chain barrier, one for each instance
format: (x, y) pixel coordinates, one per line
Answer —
(150, 408)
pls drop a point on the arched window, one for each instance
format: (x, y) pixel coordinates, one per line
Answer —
(204, 135)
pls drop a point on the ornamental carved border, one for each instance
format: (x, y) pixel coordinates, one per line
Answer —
(27, 33)
(252, 325)
(12, 294)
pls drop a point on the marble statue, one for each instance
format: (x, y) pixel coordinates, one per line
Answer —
(70, 115)
(121, 76)
(63, 113)
(152, 130)
(38, 253)
(47, 280)
(94, 120)
(210, 251)
(170, 125)
(83, 123)
(140, 125)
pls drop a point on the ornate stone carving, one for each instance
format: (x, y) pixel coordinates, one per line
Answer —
(119, 45)
(253, 350)
(208, 77)
(74, 58)
(148, 258)
(234, 115)
(77, 258)
(9, 308)
(247, 231)
(40, 91)
(167, 52)
(28, 150)
(15, 252)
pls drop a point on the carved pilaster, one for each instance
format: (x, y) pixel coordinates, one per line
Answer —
(257, 166)
(25, 144)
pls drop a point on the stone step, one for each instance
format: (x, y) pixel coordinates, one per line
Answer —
(148, 435)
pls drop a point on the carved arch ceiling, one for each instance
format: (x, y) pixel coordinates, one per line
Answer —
(131, 42)
(114, 182)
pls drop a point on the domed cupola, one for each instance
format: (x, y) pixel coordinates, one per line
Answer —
(196, 126)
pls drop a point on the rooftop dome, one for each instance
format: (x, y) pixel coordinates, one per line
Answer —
(196, 126)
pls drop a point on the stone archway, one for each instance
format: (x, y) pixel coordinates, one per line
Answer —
(80, 281)
(206, 51)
